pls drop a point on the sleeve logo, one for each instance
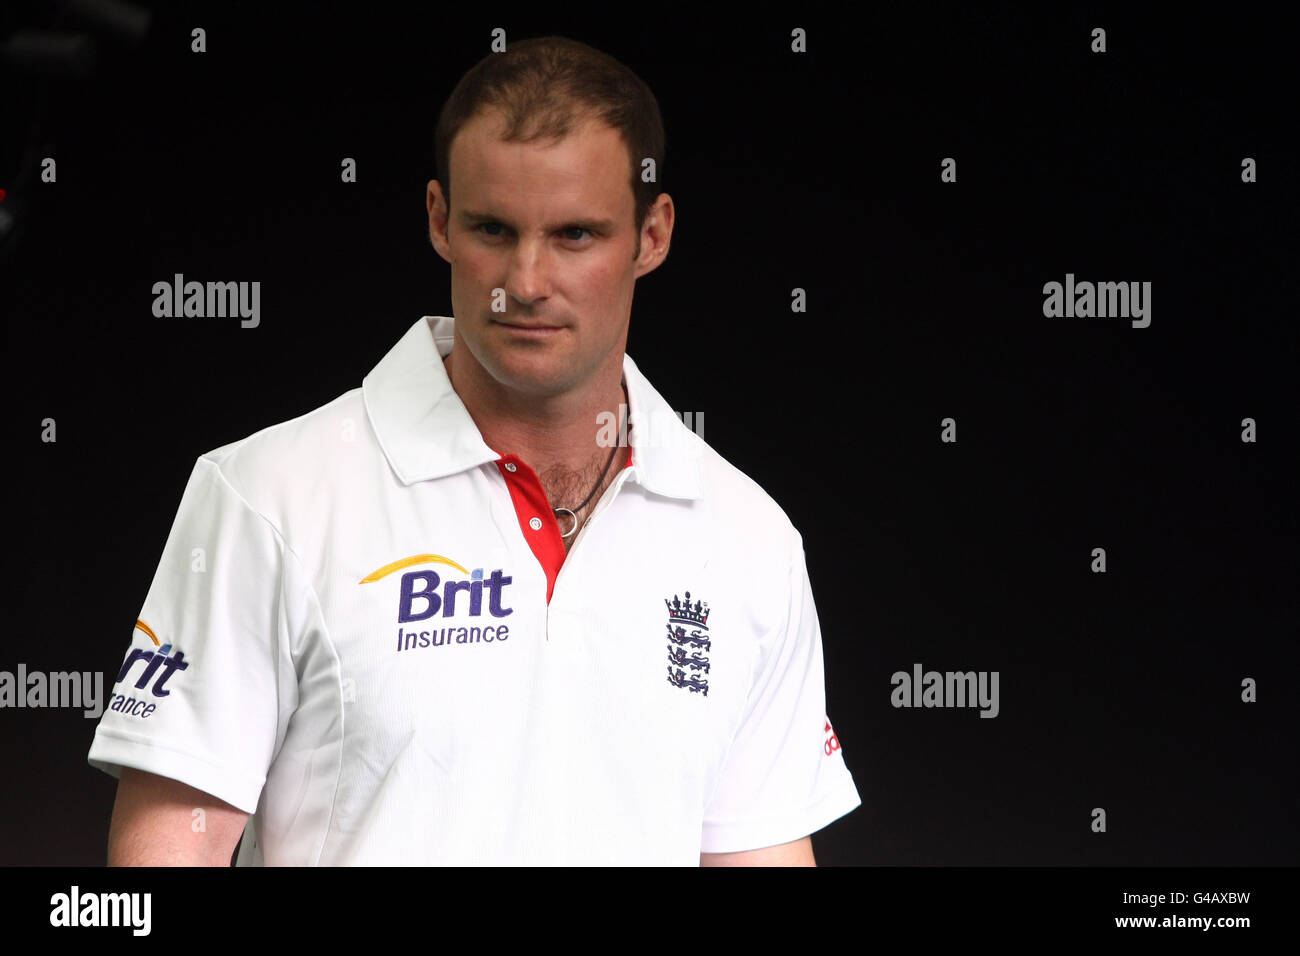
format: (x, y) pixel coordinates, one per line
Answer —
(832, 742)
(159, 667)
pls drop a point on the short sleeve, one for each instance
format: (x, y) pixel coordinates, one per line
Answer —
(784, 776)
(207, 685)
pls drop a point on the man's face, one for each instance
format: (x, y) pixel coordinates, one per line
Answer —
(552, 225)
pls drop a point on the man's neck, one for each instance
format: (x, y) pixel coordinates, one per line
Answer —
(556, 435)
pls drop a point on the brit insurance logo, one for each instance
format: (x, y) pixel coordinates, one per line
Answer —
(158, 668)
(688, 650)
(464, 604)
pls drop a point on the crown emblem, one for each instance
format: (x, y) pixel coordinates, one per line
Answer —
(683, 612)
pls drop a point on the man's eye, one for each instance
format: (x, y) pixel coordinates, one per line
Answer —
(567, 232)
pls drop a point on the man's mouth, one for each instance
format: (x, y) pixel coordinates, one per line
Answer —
(528, 327)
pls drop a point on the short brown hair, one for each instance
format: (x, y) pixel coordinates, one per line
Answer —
(545, 87)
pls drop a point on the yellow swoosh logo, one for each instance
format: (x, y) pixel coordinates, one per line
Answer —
(145, 627)
(388, 569)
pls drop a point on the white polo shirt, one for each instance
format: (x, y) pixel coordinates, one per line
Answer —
(364, 631)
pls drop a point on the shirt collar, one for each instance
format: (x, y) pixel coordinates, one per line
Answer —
(426, 432)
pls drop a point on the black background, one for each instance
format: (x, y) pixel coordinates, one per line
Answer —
(819, 171)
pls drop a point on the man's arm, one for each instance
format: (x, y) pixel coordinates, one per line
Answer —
(796, 853)
(153, 824)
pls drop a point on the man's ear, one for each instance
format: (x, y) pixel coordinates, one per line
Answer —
(656, 235)
(435, 204)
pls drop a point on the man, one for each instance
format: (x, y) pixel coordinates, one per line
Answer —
(450, 617)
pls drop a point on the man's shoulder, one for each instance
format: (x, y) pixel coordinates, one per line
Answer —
(742, 510)
(274, 460)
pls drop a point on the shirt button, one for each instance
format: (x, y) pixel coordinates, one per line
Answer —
(510, 466)
(535, 524)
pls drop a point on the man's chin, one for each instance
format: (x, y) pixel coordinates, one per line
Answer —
(531, 374)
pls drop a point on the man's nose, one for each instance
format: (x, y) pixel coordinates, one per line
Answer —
(528, 278)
